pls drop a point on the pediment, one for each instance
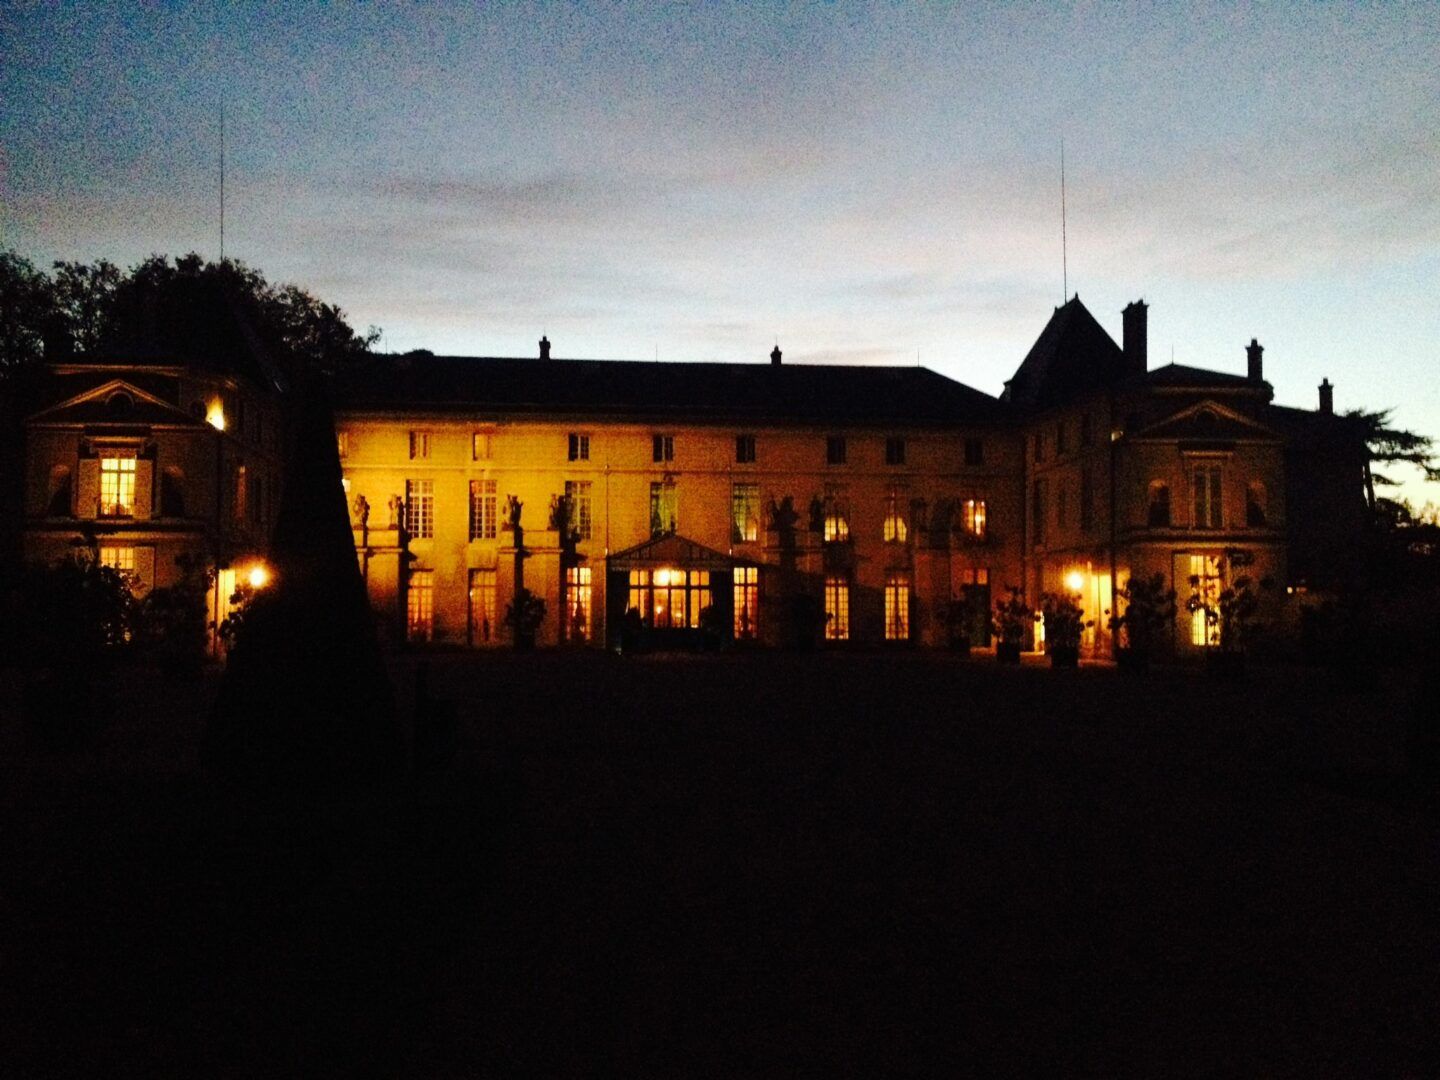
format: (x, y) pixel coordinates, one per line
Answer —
(672, 549)
(116, 401)
(1207, 421)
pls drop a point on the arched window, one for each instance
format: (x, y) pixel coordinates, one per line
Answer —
(1159, 513)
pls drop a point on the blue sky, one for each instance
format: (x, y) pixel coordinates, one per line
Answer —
(868, 183)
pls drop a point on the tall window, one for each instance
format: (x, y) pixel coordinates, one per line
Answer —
(897, 529)
(579, 446)
(1040, 503)
(1206, 494)
(973, 518)
(118, 558)
(1255, 505)
(483, 629)
(670, 598)
(974, 452)
(1205, 571)
(745, 449)
(1158, 515)
(836, 526)
(894, 450)
(662, 448)
(744, 513)
(482, 509)
(837, 608)
(481, 445)
(747, 602)
(420, 606)
(242, 493)
(578, 613)
(1087, 499)
(835, 450)
(420, 508)
(662, 508)
(578, 492)
(419, 445)
(117, 486)
(897, 607)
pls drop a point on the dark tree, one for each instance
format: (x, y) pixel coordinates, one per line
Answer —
(1388, 445)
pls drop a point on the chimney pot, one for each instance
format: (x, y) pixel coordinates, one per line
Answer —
(1254, 364)
(544, 347)
(1135, 337)
(775, 355)
(1327, 397)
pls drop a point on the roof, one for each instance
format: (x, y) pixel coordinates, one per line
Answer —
(698, 391)
(116, 402)
(1181, 375)
(1072, 354)
(671, 549)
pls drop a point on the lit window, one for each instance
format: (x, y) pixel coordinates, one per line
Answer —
(480, 446)
(663, 448)
(578, 492)
(837, 608)
(897, 529)
(482, 509)
(117, 486)
(420, 606)
(1206, 492)
(744, 513)
(1205, 621)
(419, 445)
(837, 516)
(577, 603)
(482, 607)
(974, 452)
(897, 607)
(747, 602)
(342, 442)
(579, 447)
(118, 558)
(835, 450)
(894, 450)
(670, 598)
(662, 508)
(420, 508)
(745, 449)
(973, 518)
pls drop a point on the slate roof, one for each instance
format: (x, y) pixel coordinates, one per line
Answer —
(700, 392)
(1181, 375)
(1073, 354)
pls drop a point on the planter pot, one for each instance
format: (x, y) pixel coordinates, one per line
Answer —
(1007, 652)
(1065, 656)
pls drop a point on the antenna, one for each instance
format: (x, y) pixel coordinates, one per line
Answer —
(222, 179)
(1064, 247)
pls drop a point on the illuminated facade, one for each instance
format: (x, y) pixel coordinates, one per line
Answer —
(152, 464)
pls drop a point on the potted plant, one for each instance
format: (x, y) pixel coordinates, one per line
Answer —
(1149, 608)
(1011, 618)
(524, 616)
(1064, 622)
(1229, 620)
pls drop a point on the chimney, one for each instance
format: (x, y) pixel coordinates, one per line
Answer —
(775, 355)
(1134, 338)
(544, 347)
(1327, 398)
(1254, 366)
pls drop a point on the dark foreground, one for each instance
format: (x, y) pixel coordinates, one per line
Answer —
(775, 865)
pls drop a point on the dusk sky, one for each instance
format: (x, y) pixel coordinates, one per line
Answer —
(867, 184)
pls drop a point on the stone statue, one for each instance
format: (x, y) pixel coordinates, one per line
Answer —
(360, 512)
(513, 507)
(397, 511)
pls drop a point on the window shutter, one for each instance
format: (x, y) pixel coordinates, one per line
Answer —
(144, 569)
(144, 489)
(88, 499)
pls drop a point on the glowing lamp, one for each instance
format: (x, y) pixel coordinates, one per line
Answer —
(259, 576)
(215, 415)
(1075, 581)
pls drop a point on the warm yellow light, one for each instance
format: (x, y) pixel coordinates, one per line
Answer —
(259, 576)
(1075, 581)
(215, 415)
